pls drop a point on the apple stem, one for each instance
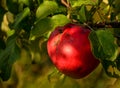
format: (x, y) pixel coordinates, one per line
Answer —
(88, 26)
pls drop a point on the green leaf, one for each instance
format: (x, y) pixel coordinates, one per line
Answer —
(2, 44)
(15, 6)
(59, 20)
(2, 12)
(26, 2)
(48, 24)
(61, 10)
(110, 68)
(103, 45)
(76, 3)
(82, 14)
(12, 6)
(41, 27)
(118, 62)
(110, 2)
(21, 16)
(46, 8)
(117, 7)
(8, 57)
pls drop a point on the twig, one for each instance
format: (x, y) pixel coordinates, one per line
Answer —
(105, 25)
(66, 3)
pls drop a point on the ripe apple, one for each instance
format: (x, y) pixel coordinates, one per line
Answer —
(70, 51)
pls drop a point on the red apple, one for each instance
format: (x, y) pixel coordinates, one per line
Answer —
(70, 51)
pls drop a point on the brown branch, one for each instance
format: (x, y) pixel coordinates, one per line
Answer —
(105, 25)
(66, 3)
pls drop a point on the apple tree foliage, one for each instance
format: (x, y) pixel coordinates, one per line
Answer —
(30, 21)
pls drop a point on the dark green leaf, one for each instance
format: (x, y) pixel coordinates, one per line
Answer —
(61, 10)
(48, 24)
(41, 27)
(13, 6)
(117, 7)
(103, 45)
(21, 16)
(82, 14)
(24, 3)
(2, 12)
(116, 32)
(111, 68)
(118, 62)
(110, 2)
(46, 8)
(2, 44)
(8, 57)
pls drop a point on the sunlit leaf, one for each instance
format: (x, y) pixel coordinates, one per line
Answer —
(60, 20)
(46, 8)
(48, 24)
(103, 45)
(84, 2)
(26, 2)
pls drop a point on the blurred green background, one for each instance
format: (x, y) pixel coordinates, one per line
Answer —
(33, 69)
(39, 72)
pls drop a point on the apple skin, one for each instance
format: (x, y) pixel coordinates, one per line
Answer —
(70, 51)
